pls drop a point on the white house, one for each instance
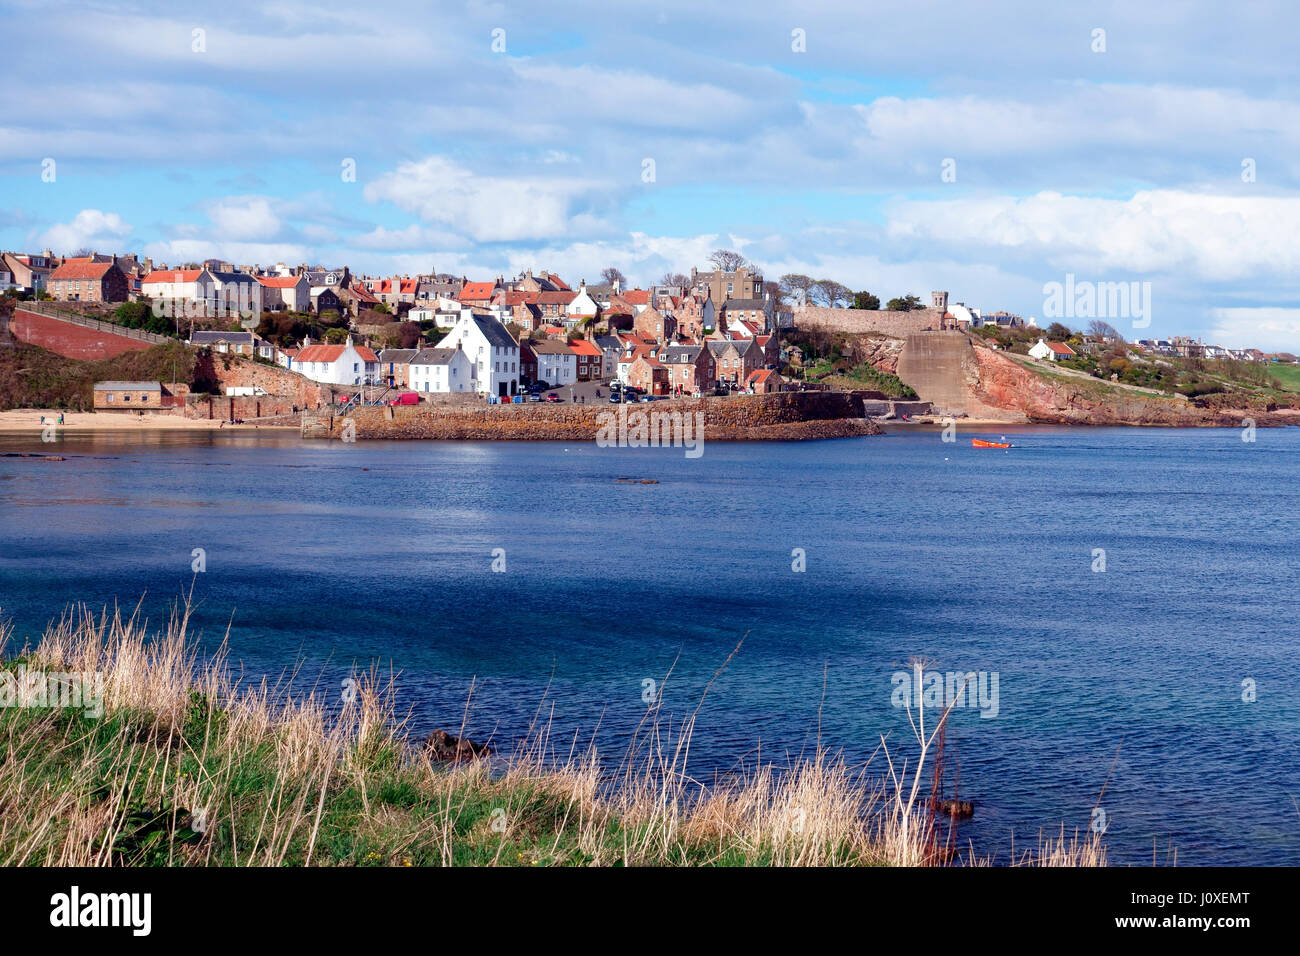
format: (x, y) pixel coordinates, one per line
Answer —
(184, 285)
(236, 290)
(1051, 351)
(285, 292)
(210, 292)
(442, 370)
(491, 350)
(346, 364)
(557, 364)
(582, 307)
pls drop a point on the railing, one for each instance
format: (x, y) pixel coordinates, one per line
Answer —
(49, 311)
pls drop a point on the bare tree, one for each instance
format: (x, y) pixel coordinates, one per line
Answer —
(727, 260)
(1104, 331)
(831, 293)
(612, 275)
(797, 286)
(676, 279)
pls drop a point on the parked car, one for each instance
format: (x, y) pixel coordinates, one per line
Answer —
(535, 396)
(406, 398)
(552, 397)
(615, 398)
(538, 386)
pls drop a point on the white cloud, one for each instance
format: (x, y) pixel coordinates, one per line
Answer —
(1270, 329)
(488, 208)
(89, 229)
(240, 253)
(244, 217)
(1214, 237)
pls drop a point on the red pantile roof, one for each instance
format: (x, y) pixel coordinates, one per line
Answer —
(477, 291)
(331, 353)
(583, 347)
(170, 275)
(276, 282)
(80, 269)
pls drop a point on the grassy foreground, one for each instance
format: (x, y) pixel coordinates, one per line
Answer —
(185, 766)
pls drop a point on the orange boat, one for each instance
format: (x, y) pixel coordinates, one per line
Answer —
(981, 443)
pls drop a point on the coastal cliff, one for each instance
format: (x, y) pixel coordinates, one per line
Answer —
(1059, 397)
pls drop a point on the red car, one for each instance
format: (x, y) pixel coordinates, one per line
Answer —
(552, 397)
(406, 398)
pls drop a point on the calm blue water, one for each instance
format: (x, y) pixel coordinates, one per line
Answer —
(324, 555)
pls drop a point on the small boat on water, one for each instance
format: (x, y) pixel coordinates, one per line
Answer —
(981, 443)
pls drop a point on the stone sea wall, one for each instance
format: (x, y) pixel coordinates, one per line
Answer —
(789, 416)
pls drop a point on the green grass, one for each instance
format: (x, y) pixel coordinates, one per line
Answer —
(1287, 375)
(185, 766)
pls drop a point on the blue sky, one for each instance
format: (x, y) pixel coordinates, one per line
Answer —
(493, 137)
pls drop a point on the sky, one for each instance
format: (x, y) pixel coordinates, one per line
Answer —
(989, 150)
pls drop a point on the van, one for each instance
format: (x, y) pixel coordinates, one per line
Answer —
(406, 398)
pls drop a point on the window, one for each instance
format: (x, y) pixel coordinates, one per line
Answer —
(110, 396)
(126, 396)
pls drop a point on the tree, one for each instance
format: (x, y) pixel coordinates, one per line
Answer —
(1104, 331)
(865, 300)
(382, 308)
(727, 260)
(611, 275)
(796, 286)
(1058, 332)
(676, 279)
(906, 304)
(830, 293)
(408, 335)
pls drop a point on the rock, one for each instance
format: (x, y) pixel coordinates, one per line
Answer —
(443, 746)
(959, 809)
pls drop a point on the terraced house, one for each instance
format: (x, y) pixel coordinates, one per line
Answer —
(690, 369)
(81, 280)
(494, 354)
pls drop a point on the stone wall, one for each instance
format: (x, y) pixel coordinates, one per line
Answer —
(278, 383)
(71, 339)
(896, 324)
(782, 416)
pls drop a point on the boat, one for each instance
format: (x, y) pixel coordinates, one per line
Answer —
(981, 443)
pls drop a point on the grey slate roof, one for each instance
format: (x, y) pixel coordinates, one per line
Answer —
(680, 354)
(432, 356)
(496, 332)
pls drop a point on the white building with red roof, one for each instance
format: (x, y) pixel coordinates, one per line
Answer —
(285, 292)
(346, 364)
(1052, 351)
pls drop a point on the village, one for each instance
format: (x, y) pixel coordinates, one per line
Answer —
(721, 331)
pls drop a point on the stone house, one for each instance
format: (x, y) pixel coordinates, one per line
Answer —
(82, 280)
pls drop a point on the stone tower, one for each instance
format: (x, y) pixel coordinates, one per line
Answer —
(939, 302)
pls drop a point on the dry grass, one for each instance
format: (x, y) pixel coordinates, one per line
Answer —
(188, 766)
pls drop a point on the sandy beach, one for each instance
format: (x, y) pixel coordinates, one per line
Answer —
(29, 420)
